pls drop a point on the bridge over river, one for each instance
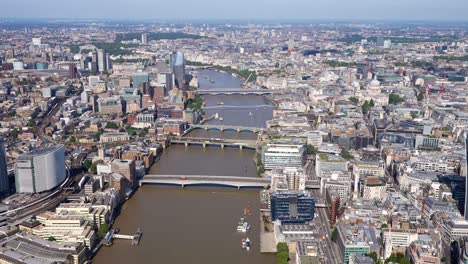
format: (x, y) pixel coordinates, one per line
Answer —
(208, 180)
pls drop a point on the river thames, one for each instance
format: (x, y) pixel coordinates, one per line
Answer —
(196, 224)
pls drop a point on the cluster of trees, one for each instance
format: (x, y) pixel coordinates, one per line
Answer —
(311, 149)
(397, 258)
(112, 125)
(260, 166)
(334, 63)
(113, 48)
(282, 253)
(366, 106)
(90, 166)
(103, 229)
(156, 36)
(346, 155)
(244, 74)
(334, 234)
(451, 58)
(394, 98)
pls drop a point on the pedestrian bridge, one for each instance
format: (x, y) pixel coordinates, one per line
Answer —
(206, 180)
(233, 91)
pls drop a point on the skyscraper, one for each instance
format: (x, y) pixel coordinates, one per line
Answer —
(177, 63)
(4, 185)
(40, 170)
(144, 38)
(101, 59)
(466, 180)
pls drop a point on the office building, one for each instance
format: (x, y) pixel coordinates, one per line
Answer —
(355, 240)
(144, 38)
(387, 44)
(177, 64)
(4, 184)
(466, 173)
(40, 170)
(139, 78)
(102, 60)
(126, 168)
(380, 41)
(111, 105)
(292, 207)
(283, 155)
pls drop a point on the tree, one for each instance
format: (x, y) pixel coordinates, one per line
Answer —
(87, 164)
(346, 155)
(311, 149)
(112, 125)
(282, 253)
(14, 133)
(93, 168)
(334, 234)
(373, 256)
(394, 99)
(357, 124)
(366, 107)
(51, 238)
(371, 103)
(384, 226)
(31, 123)
(72, 139)
(420, 96)
(103, 229)
(354, 100)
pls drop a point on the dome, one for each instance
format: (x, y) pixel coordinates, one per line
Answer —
(374, 83)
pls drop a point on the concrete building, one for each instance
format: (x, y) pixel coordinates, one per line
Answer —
(355, 240)
(283, 155)
(27, 248)
(373, 187)
(397, 239)
(326, 163)
(114, 137)
(294, 177)
(40, 170)
(125, 168)
(112, 105)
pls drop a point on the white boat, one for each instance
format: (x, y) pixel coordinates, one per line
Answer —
(250, 113)
(220, 119)
(245, 227)
(246, 244)
(216, 116)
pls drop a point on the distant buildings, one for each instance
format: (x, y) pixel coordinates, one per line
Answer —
(144, 38)
(112, 105)
(292, 207)
(40, 170)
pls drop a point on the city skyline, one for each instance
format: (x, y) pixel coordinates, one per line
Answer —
(275, 10)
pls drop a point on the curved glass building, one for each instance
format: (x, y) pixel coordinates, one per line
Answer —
(40, 170)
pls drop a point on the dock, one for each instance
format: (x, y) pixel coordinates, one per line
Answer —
(111, 235)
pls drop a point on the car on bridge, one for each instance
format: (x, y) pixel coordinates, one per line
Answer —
(183, 178)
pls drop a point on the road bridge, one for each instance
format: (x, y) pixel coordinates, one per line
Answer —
(233, 91)
(217, 142)
(206, 180)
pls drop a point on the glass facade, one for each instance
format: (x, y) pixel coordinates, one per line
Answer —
(292, 207)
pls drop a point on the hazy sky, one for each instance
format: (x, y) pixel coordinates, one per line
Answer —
(238, 9)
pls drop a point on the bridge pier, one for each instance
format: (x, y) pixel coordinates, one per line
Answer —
(238, 187)
(183, 185)
(238, 130)
(204, 145)
(241, 147)
(186, 144)
(222, 146)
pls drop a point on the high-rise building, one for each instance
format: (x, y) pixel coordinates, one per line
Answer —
(380, 41)
(144, 38)
(72, 71)
(102, 60)
(126, 168)
(177, 63)
(466, 181)
(292, 207)
(4, 185)
(94, 64)
(40, 170)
